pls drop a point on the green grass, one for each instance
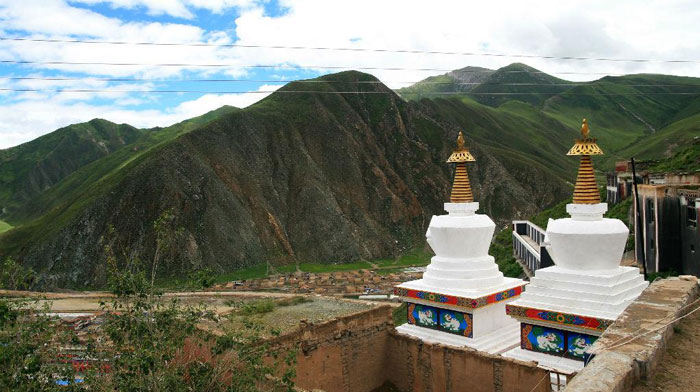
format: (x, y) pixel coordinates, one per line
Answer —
(258, 307)
(5, 226)
(298, 300)
(53, 209)
(686, 159)
(413, 258)
(320, 267)
(255, 272)
(667, 142)
(400, 314)
(502, 250)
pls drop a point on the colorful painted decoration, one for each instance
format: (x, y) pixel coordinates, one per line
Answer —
(472, 303)
(558, 318)
(546, 340)
(445, 320)
(578, 343)
(456, 322)
(422, 315)
(555, 341)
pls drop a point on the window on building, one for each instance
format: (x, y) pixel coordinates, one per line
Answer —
(691, 216)
(650, 210)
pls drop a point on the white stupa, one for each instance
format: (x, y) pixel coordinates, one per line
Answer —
(461, 299)
(567, 306)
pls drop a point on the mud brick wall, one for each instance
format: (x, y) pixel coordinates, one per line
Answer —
(618, 367)
(413, 365)
(360, 352)
(346, 354)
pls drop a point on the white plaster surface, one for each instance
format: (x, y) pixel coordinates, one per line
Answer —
(602, 293)
(462, 267)
(496, 342)
(586, 241)
(546, 361)
(587, 278)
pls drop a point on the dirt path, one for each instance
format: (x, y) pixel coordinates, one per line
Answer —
(679, 368)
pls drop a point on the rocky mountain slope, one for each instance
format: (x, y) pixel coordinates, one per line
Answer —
(322, 177)
(310, 177)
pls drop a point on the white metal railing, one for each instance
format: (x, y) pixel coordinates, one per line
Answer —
(523, 249)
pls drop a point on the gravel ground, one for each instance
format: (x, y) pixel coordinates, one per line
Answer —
(679, 368)
(321, 309)
(287, 318)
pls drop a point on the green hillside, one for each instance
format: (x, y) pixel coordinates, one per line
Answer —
(93, 175)
(259, 184)
(642, 115)
(31, 168)
(517, 82)
(460, 80)
(367, 169)
(666, 141)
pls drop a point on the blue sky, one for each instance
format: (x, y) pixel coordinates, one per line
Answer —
(623, 29)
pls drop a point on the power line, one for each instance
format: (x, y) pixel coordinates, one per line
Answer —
(126, 80)
(347, 49)
(288, 66)
(326, 92)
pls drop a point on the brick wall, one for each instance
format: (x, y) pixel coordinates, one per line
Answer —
(360, 352)
(412, 365)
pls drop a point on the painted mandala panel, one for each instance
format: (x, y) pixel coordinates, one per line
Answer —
(547, 340)
(578, 343)
(456, 322)
(423, 316)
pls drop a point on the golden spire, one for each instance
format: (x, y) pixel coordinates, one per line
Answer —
(586, 190)
(461, 190)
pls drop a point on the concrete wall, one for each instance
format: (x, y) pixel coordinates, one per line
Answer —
(617, 367)
(361, 352)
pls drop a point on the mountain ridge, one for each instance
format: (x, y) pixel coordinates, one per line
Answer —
(310, 176)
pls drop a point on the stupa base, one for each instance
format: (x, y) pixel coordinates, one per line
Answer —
(556, 363)
(496, 342)
(597, 297)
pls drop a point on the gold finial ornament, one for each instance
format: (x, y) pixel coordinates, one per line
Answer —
(586, 189)
(460, 154)
(584, 129)
(461, 189)
(585, 145)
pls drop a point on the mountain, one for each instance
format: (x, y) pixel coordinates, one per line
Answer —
(31, 168)
(309, 176)
(321, 176)
(41, 174)
(513, 82)
(643, 115)
(460, 80)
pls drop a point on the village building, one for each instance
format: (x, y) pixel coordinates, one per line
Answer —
(567, 306)
(669, 226)
(460, 300)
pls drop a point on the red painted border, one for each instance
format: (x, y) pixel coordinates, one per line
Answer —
(567, 319)
(466, 302)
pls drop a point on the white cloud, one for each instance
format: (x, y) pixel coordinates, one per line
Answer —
(622, 29)
(32, 117)
(176, 8)
(209, 102)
